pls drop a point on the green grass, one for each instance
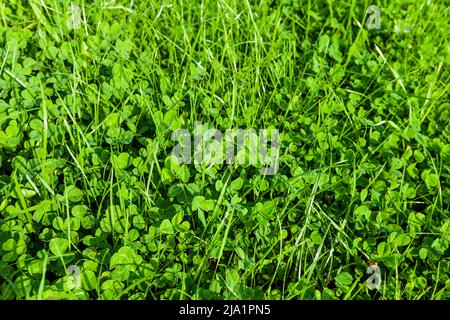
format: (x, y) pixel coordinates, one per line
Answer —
(86, 178)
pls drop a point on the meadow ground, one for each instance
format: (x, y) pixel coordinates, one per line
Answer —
(92, 206)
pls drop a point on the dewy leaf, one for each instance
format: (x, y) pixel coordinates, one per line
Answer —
(166, 227)
(184, 173)
(344, 279)
(202, 203)
(175, 190)
(166, 176)
(113, 120)
(363, 211)
(124, 48)
(79, 211)
(73, 193)
(122, 161)
(237, 184)
(9, 245)
(125, 256)
(383, 249)
(423, 253)
(88, 280)
(402, 240)
(324, 40)
(231, 278)
(59, 246)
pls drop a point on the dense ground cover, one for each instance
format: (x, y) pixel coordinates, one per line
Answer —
(86, 181)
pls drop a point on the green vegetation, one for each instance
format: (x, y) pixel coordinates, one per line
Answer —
(87, 181)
